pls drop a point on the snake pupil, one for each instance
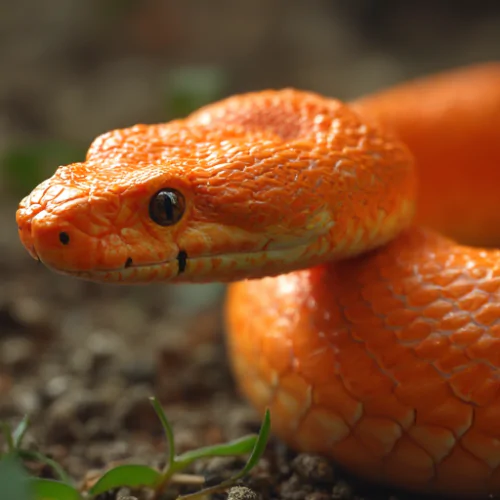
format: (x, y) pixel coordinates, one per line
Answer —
(64, 238)
(167, 207)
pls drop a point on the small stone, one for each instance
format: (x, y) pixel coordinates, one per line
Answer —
(139, 371)
(89, 404)
(103, 347)
(55, 387)
(29, 311)
(318, 495)
(18, 354)
(68, 414)
(26, 399)
(342, 491)
(242, 493)
(99, 429)
(294, 488)
(125, 494)
(218, 469)
(263, 482)
(115, 451)
(313, 468)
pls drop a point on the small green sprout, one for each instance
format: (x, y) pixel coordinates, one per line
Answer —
(14, 441)
(132, 476)
(139, 475)
(13, 476)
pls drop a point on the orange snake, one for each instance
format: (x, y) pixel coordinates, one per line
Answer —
(378, 341)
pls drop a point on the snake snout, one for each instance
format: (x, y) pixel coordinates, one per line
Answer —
(58, 244)
(24, 230)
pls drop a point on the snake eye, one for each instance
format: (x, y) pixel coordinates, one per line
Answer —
(167, 207)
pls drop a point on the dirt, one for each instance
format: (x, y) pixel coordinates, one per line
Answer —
(82, 359)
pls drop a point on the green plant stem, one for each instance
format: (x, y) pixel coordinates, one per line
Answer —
(171, 467)
(39, 457)
(168, 431)
(7, 434)
(20, 432)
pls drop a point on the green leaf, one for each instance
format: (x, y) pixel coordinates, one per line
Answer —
(259, 447)
(48, 489)
(14, 480)
(236, 447)
(39, 457)
(169, 433)
(258, 450)
(133, 476)
(7, 435)
(20, 431)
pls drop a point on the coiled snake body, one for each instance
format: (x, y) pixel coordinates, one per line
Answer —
(373, 340)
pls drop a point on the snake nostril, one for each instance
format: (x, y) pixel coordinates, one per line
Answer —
(64, 237)
(128, 262)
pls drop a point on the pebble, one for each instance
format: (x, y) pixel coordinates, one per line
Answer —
(342, 491)
(313, 468)
(55, 387)
(62, 427)
(18, 354)
(295, 489)
(263, 482)
(29, 311)
(100, 429)
(139, 371)
(318, 495)
(242, 493)
(103, 346)
(218, 469)
(25, 399)
(69, 414)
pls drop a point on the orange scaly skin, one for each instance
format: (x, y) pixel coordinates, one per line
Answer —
(451, 123)
(382, 349)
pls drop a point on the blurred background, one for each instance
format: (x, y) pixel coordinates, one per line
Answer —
(84, 357)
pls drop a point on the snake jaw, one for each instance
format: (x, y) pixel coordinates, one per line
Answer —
(227, 267)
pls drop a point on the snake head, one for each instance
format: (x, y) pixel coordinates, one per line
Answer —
(252, 186)
(120, 223)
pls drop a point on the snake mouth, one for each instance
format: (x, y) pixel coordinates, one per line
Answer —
(209, 267)
(181, 259)
(174, 267)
